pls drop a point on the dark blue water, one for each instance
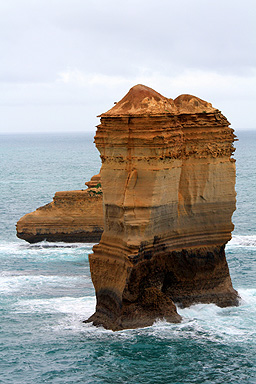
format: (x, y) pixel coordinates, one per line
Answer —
(46, 290)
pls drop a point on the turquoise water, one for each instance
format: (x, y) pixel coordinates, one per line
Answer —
(46, 291)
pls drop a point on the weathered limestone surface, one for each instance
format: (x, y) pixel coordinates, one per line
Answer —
(72, 216)
(168, 183)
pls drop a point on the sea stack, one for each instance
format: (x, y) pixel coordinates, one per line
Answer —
(168, 182)
(72, 216)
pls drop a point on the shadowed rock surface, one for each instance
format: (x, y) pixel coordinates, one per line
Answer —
(72, 216)
(168, 183)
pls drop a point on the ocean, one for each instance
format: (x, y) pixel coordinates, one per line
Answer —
(46, 290)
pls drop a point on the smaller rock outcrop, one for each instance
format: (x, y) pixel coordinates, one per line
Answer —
(72, 216)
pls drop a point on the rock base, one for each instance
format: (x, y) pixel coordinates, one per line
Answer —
(159, 279)
(151, 306)
(76, 237)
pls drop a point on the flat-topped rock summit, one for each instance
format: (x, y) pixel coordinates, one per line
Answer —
(168, 182)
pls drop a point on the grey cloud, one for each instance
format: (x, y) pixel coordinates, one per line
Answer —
(117, 37)
(155, 41)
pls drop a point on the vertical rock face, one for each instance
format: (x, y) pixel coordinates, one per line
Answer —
(168, 190)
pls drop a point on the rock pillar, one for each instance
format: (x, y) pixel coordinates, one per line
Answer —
(168, 183)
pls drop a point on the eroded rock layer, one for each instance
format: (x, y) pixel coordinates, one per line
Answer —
(72, 216)
(168, 183)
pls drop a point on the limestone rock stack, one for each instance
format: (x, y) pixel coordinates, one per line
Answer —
(72, 216)
(168, 183)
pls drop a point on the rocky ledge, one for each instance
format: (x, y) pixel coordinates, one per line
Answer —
(72, 216)
(168, 180)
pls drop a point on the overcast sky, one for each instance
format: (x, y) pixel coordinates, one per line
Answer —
(63, 62)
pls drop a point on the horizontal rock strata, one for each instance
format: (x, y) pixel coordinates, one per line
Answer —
(72, 216)
(168, 183)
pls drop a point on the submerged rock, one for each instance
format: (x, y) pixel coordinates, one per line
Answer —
(72, 216)
(168, 183)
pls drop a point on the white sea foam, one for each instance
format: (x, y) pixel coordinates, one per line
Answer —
(242, 241)
(202, 321)
(248, 294)
(23, 284)
(60, 244)
(207, 321)
(9, 246)
(45, 251)
(80, 306)
(73, 312)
